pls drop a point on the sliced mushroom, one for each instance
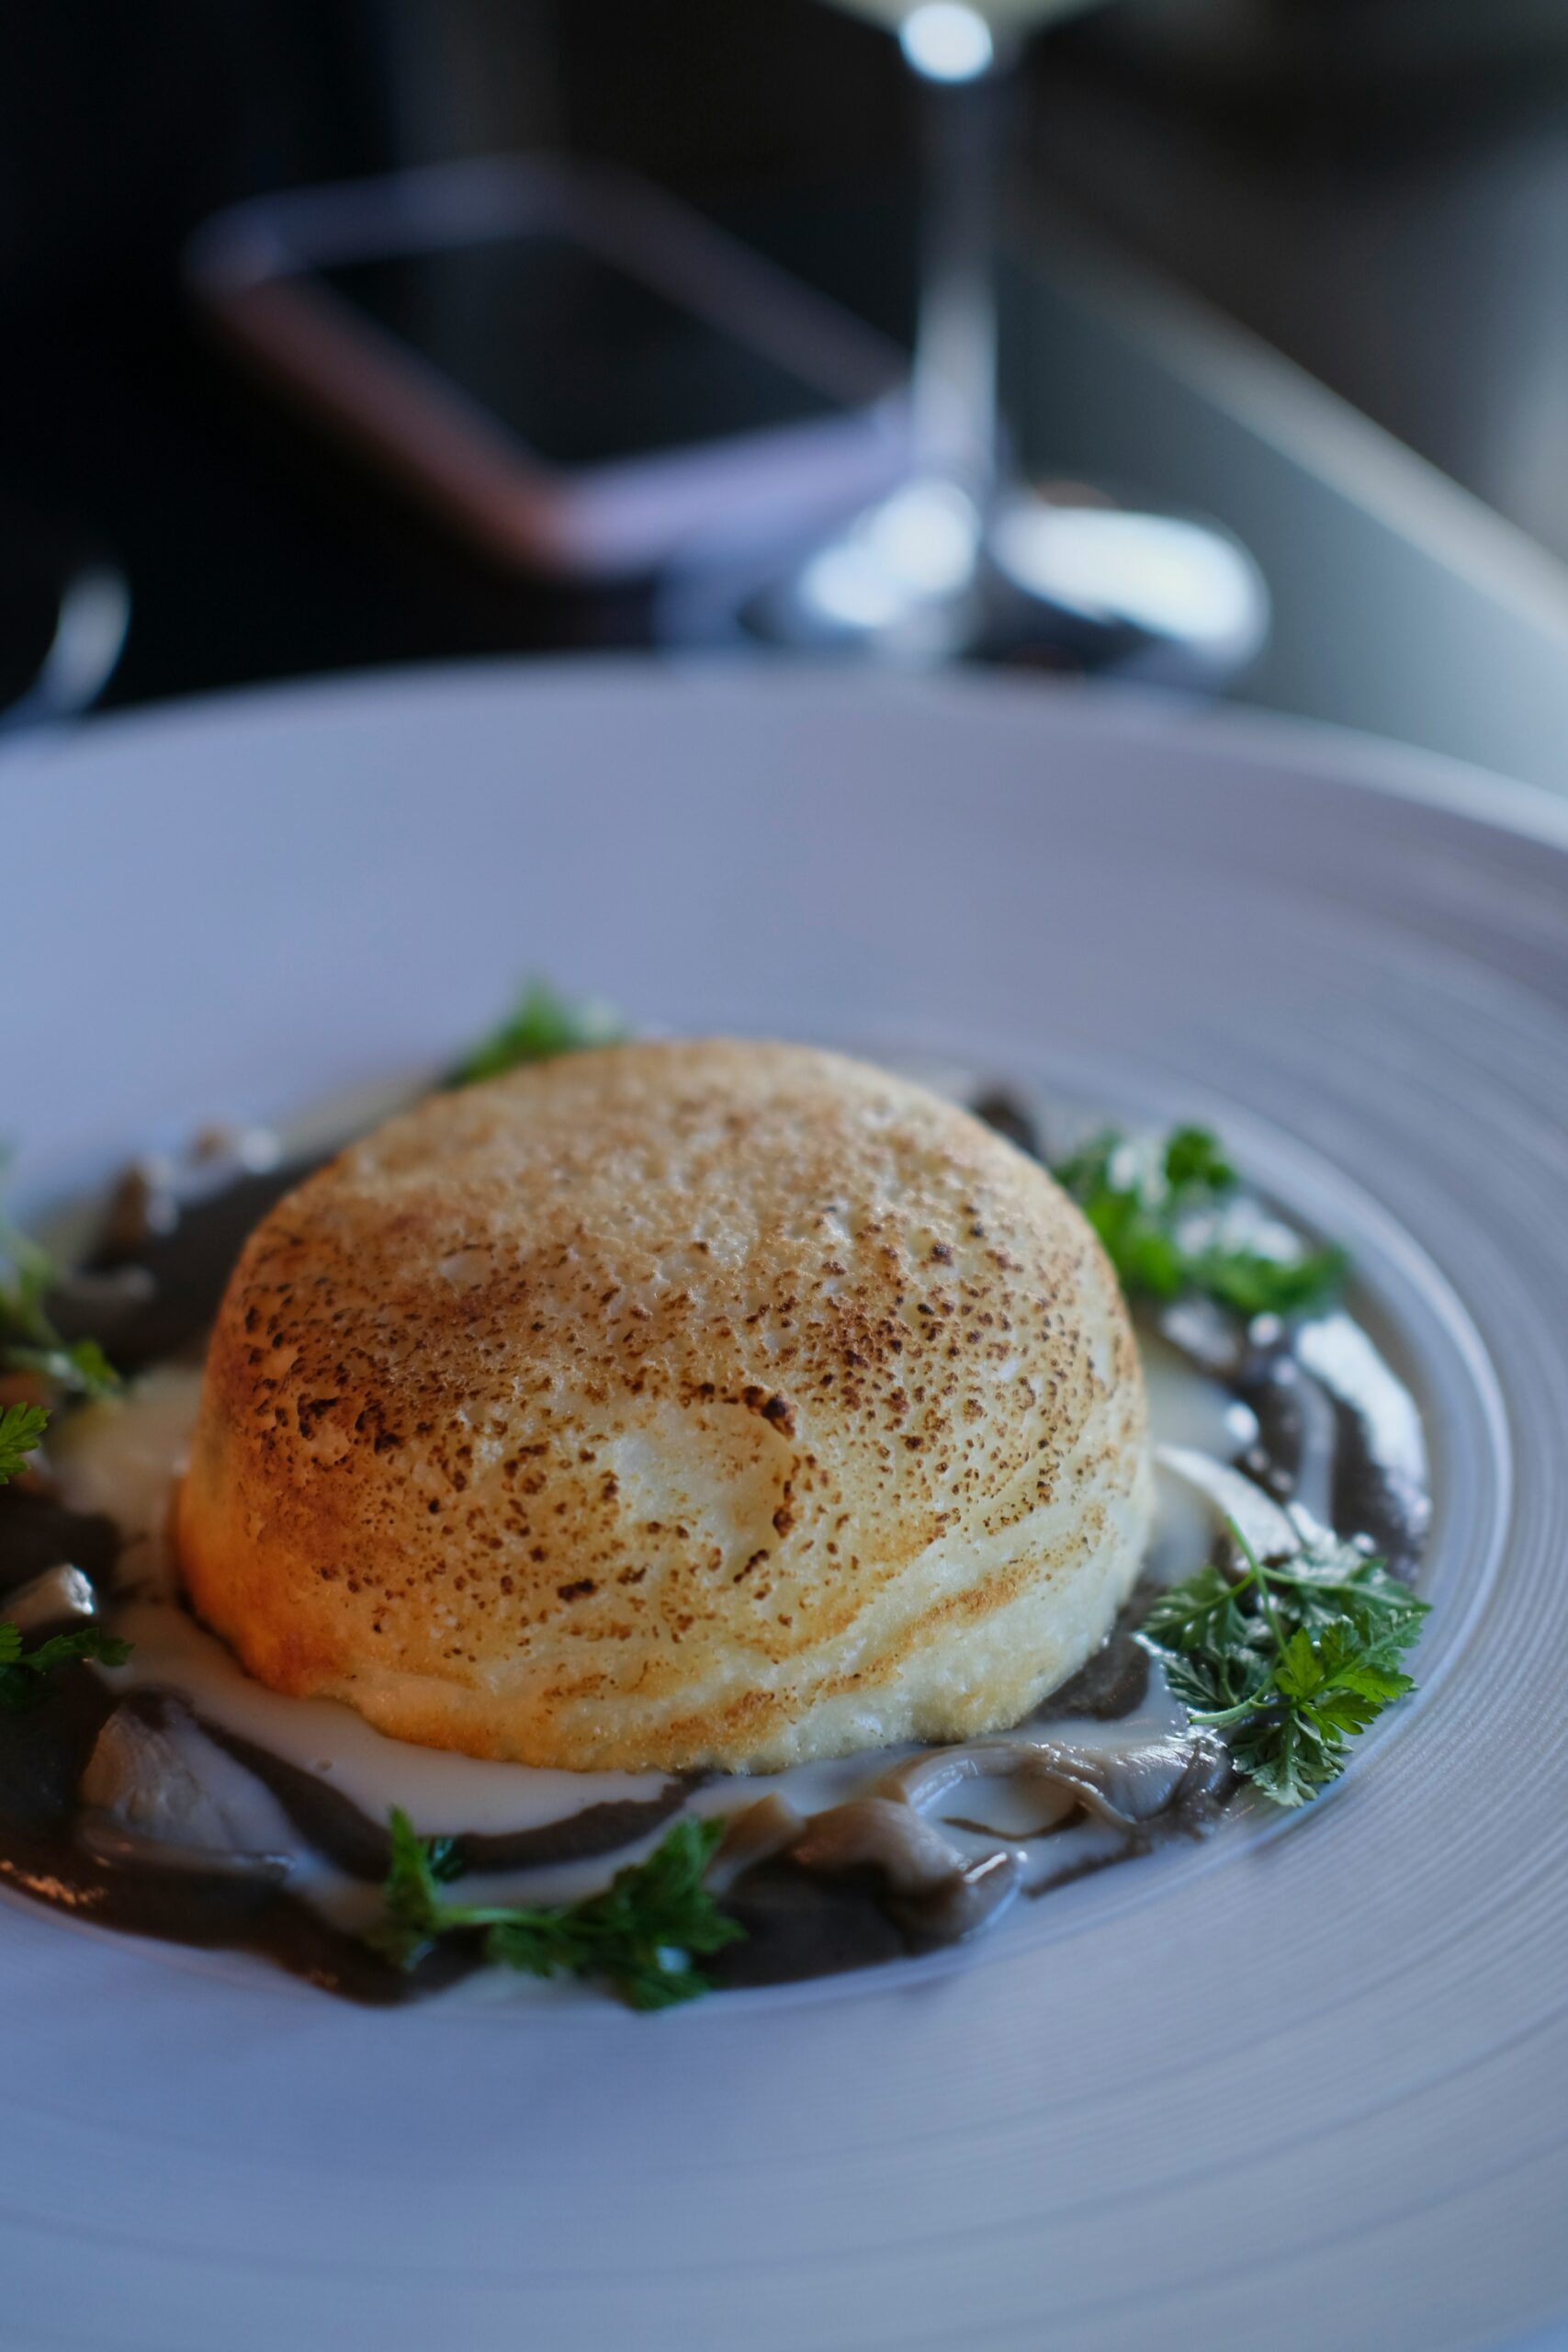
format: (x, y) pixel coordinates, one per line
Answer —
(52, 1598)
(768, 1828)
(909, 1853)
(145, 1803)
(1180, 1780)
(925, 1884)
(796, 1927)
(108, 1841)
(961, 1906)
(1272, 1532)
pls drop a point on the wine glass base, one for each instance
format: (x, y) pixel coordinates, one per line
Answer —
(1066, 577)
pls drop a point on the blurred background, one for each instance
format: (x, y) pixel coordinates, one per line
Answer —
(1297, 267)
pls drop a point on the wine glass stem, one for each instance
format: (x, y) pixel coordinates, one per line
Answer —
(953, 384)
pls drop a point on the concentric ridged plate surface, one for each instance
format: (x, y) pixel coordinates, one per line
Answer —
(1305, 2088)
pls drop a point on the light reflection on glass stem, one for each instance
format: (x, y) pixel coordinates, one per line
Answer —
(962, 70)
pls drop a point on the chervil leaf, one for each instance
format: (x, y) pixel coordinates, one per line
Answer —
(1339, 1715)
(27, 1273)
(21, 1428)
(29, 1339)
(1289, 1661)
(542, 1026)
(1253, 1284)
(1298, 1670)
(1087, 1172)
(1286, 1758)
(1159, 1208)
(639, 1935)
(70, 1649)
(411, 1919)
(22, 1672)
(1193, 1155)
(1201, 1686)
(1338, 1682)
(81, 1367)
(1221, 1686)
(1340, 1585)
(1203, 1613)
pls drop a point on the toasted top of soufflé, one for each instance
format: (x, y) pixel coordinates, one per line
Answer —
(670, 1405)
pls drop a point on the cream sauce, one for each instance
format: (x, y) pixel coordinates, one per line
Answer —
(122, 1456)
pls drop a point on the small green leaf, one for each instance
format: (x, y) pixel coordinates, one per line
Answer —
(543, 1024)
(27, 1273)
(22, 1672)
(1253, 1284)
(1287, 1758)
(1203, 1613)
(71, 1649)
(82, 1368)
(639, 1935)
(1193, 1155)
(21, 1431)
(29, 1339)
(1157, 1208)
(1299, 1671)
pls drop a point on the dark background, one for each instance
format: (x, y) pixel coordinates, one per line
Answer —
(1379, 187)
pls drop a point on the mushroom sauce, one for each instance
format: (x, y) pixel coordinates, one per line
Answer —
(175, 1797)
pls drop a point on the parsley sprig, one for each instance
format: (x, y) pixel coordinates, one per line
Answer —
(640, 1935)
(1160, 1209)
(542, 1025)
(22, 1671)
(1289, 1661)
(29, 1340)
(21, 1431)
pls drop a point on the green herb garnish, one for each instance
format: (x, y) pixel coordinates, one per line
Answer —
(640, 1935)
(79, 1365)
(21, 1431)
(543, 1024)
(1160, 1209)
(29, 1340)
(1287, 1661)
(22, 1672)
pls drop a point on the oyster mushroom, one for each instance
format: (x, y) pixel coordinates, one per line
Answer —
(1273, 1533)
(924, 1882)
(146, 1804)
(60, 1595)
(1177, 1782)
(755, 1835)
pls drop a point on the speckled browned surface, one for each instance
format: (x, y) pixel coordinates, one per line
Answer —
(669, 1404)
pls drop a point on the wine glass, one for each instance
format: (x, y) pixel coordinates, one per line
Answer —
(962, 557)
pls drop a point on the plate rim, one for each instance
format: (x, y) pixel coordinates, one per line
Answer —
(1338, 753)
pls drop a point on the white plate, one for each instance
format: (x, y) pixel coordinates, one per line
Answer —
(1301, 2089)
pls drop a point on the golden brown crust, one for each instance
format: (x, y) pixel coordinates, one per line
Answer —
(665, 1405)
